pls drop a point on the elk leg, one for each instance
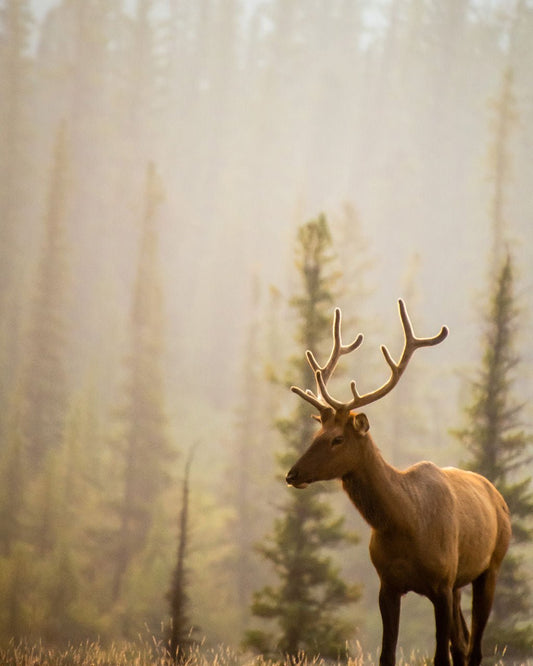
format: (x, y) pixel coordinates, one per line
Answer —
(460, 634)
(389, 606)
(483, 595)
(443, 604)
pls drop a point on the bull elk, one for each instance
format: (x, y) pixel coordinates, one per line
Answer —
(434, 530)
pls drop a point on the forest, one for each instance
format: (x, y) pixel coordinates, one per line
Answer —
(174, 174)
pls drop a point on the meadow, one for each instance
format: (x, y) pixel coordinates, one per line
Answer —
(152, 652)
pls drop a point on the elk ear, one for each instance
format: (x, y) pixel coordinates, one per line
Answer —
(361, 424)
(316, 417)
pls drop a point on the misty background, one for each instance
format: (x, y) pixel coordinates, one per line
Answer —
(408, 123)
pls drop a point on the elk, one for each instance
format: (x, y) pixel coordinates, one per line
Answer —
(433, 530)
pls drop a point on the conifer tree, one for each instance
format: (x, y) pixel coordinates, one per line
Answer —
(504, 120)
(12, 481)
(310, 591)
(145, 449)
(244, 484)
(499, 448)
(15, 76)
(44, 385)
(181, 628)
(251, 467)
(75, 500)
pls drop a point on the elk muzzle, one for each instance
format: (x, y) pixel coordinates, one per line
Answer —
(293, 479)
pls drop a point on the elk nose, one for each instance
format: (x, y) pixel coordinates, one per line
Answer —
(291, 477)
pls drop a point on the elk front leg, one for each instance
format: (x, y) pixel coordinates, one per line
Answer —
(389, 606)
(443, 604)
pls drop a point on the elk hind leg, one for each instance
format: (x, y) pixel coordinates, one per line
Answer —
(460, 634)
(483, 596)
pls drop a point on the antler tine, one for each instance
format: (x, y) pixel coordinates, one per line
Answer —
(325, 393)
(325, 372)
(411, 344)
(322, 374)
(337, 350)
(309, 396)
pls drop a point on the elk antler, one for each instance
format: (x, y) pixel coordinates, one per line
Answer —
(326, 371)
(322, 375)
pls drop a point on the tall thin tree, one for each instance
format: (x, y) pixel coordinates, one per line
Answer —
(15, 164)
(504, 120)
(500, 449)
(181, 628)
(310, 591)
(44, 383)
(145, 449)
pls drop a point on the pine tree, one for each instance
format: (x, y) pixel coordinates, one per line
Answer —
(143, 77)
(44, 386)
(15, 77)
(310, 591)
(145, 450)
(504, 121)
(12, 482)
(246, 461)
(250, 468)
(499, 448)
(181, 628)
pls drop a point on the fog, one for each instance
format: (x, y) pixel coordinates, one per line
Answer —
(408, 123)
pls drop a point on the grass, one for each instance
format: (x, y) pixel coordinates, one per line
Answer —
(153, 653)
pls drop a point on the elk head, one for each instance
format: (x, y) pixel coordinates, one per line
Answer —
(338, 445)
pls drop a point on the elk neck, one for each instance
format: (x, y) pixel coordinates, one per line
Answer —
(376, 489)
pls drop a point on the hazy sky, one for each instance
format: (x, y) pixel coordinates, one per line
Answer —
(40, 7)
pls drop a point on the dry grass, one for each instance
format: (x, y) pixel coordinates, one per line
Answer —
(153, 653)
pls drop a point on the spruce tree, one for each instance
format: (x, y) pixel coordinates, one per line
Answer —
(45, 390)
(13, 464)
(244, 483)
(251, 465)
(144, 450)
(181, 628)
(310, 591)
(499, 449)
(15, 130)
(504, 119)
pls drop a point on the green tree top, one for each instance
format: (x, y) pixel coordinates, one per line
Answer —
(495, 436)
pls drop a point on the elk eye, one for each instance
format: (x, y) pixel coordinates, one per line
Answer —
(337, 440)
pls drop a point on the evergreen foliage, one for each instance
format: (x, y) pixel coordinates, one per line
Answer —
(16, 23)
(499, 449)
(249, 465)
(310, 591)
(45, 388)
(144, 451)
(12, 477)
(181, 629)
(504, 121)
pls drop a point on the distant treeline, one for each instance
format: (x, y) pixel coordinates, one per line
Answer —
(155, 166)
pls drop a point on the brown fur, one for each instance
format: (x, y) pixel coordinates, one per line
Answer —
(433, 531)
